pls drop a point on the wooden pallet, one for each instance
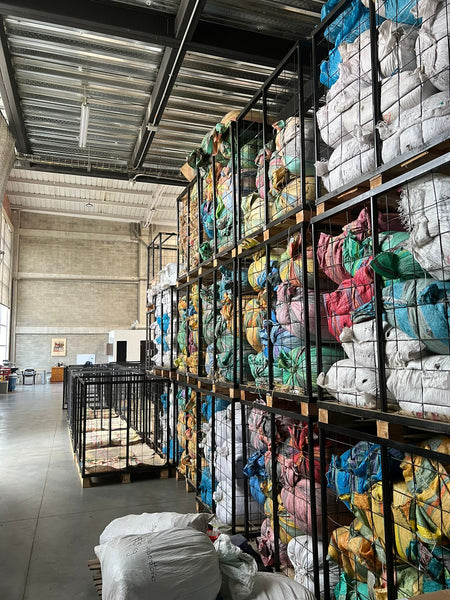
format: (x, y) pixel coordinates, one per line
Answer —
(112, 477)
(96, 572)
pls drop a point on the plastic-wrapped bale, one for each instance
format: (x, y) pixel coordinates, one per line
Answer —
(224, 507)
(424, 208)
(357, 469)
(400, 93)
(273, 586)
(416, 126)
(294, 365)
(282, 340)
(288, 528)
(351, 294)
(330, 249)
(420, 309)
(226, 359)
(359, 342)
(256, 472)
(254, 212)
(291, 264)
(129, 573)
(255, 311)
(348, 161)
(289, 144)
(151, 522)
(223, 459)
(432, 43)
(393, 261)
(431, 491)
(300, 553)
(259, 368)
(257, 270)
(422, 388)
(277, 173)
(290, 312)
(206, 488)
(290, 196)
(297, 501)
(266, 546)
(351, 385)
(357, 550)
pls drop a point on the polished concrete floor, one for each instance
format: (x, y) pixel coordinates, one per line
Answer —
(49, 525)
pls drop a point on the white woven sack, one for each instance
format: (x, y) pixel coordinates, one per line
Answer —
(151, 522)
(165, 565)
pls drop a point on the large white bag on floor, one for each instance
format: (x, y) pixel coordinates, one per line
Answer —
(272, 586)
(151, 522)
(165, 565)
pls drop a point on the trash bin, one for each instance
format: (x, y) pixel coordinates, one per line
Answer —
(12, 382)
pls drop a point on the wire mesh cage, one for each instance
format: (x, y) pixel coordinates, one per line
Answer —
(276, 147)
(187, 327)
(386, 297)
(381, 92)
(161, 329)
(188, 229)
(116, 422)
(396, 543)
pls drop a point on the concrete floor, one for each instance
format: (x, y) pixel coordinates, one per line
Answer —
(49, 525)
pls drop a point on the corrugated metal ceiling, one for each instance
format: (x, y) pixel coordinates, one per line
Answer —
(56, 65)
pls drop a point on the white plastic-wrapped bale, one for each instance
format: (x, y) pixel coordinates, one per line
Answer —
(425, 209)
(423, 387)
(351, 385)
(349, 161)
(300, 552)
(432, 45)
(171, 564)
(224, 504)
(416, 126)
(151, 522)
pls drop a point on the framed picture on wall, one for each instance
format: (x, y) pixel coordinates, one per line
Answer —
(58, 346)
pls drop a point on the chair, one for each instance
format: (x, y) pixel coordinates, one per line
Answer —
(28, 374)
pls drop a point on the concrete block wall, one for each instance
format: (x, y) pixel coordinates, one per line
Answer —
(76, 279)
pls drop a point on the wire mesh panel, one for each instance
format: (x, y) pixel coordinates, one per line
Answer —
(187, 328)
(396, 543)
(187, 447)
(163, 328)
(387, 305)
(188, 229)
(217, 459)
(383, 88)
(116, 427)
(276, 135)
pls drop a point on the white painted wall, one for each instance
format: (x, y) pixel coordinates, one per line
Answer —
(133, 337)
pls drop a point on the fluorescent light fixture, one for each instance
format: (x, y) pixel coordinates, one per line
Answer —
(84, 123)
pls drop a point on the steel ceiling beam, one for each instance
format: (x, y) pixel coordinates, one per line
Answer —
(153, 27)
(10, 95)
(186, 22)
(36, 196)
(75, 186)
(93, 172)
(112, 18)
(90, 215)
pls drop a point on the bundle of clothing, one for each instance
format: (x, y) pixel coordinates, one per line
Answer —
(411, 66)
(419, 512)
(165, 323)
